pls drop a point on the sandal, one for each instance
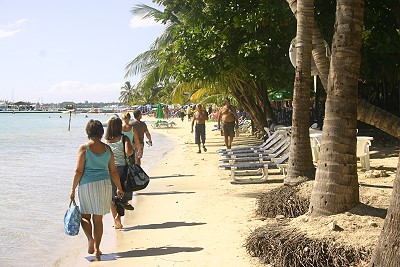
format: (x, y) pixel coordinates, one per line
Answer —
(129, 207)
(205, 149)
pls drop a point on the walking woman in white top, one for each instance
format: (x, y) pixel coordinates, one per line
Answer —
(118, 144)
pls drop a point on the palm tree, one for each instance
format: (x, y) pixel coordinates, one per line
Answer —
(300, 160)
(126, 94)
(157, 68)
(336, 184)
(366, 112)
(387, 251)
(155, 72)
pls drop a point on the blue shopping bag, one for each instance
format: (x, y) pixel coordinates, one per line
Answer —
(72, 219)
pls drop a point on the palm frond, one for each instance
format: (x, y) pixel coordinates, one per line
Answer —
(146, 11)
(213, 99)
(142, 63)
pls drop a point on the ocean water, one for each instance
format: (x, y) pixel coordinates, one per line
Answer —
(38, 159)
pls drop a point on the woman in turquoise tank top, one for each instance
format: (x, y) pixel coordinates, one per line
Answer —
(94, 168)
(129, 131)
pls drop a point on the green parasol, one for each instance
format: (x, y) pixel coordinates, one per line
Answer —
(278, 95)
(160, 112)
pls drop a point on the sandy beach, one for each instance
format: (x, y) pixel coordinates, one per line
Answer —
(190, 214)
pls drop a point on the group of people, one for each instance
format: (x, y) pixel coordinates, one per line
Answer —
(100, 165)
(227, 118)
(99, 161)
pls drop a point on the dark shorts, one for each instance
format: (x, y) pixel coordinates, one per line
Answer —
(200, 133)
(127, 195)
(229, 129)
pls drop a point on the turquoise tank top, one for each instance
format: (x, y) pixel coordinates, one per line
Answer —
(118, 150)
(96, 166)
(129, 135)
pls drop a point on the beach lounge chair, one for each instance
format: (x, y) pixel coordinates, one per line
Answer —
(164, 123)
(254, 157)
(271, 141)
(254, 172)
(255, 152)
(244, 126)
(221, 151)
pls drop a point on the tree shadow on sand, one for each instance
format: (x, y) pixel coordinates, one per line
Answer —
(368, 210)
(149, 252)
(376, 185)
(164, 193)
(160, 226)
(171, 176)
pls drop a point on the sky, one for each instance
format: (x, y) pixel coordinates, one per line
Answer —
(53, 51)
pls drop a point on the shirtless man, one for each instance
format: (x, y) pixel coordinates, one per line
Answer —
(200, 118)
(227, 115)
(141, 129)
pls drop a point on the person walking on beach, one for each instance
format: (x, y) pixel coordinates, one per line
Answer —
(189, 112)
(141, 129)
(200, 118)
(118, 143)
(228, 117)
(129, 131)
(95, 166)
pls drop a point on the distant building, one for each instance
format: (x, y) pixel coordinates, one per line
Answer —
(68, 105)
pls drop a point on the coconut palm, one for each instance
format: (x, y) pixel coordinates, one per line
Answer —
(300, 160)
(155, 72)
(387, 251)
(366, 112)
(126, 94)
(336, 184)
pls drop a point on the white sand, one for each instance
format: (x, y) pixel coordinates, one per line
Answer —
(190, 214)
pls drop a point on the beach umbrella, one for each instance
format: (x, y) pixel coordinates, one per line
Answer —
(278, 95)
(160, 112)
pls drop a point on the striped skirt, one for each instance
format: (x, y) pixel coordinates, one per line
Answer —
(95, 197)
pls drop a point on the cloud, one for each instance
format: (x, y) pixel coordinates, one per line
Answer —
(11, 28)
(140, 22)
(78, 91)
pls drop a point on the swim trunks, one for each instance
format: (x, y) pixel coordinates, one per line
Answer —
(200, 132)
(229, 128)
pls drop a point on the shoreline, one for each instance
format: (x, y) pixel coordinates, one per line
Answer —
(189, 214)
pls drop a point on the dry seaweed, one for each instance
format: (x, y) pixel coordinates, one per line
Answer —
(280, 245)
(283, 200)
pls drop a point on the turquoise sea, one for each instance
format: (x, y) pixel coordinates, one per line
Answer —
(38, 159)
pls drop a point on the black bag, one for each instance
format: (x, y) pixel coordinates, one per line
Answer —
(135, 177)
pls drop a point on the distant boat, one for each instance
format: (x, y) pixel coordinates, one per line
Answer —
(69, 111)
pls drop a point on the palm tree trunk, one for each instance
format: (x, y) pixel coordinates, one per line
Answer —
(387, 251)
(366, 112)
(379, 118)
(336, 184)
(300, 160)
